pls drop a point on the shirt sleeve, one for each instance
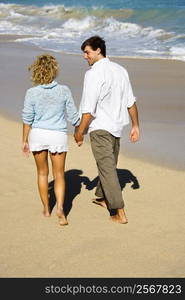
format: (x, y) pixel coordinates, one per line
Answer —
(72, 113)
(131, 99)
(28, 111)
(91, 92)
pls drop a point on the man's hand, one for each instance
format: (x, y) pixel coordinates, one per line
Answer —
(78, 136)
(82, 128)
(134, 134)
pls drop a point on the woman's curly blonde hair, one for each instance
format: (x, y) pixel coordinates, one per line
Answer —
(44, 69)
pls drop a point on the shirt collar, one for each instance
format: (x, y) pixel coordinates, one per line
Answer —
(101, 61)
(49, 85)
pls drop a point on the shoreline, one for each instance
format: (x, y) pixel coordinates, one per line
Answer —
(12, 38)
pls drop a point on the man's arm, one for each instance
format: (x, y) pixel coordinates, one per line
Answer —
(134, 133)
(80, 130)
(90, 96)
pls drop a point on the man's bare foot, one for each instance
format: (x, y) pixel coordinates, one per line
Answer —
(100, 201)
(120, 217)
(63, 221)
(117, 219)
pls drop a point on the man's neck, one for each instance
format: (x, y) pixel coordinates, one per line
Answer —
(100, 57)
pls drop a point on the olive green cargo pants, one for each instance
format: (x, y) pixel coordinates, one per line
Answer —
(105, 148)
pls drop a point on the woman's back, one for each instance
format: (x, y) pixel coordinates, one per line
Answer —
(45, 106)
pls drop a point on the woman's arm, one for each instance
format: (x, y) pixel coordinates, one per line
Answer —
(28, 114)
(72, 113)
(25, 145)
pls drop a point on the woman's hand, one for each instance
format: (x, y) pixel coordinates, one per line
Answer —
(25, 149)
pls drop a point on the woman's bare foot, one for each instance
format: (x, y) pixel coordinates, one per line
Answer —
(100, 201)
(61, 216)
(63, 221)
(46, 213)
(59, 212)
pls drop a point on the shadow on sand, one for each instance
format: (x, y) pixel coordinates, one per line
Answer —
(74, 181)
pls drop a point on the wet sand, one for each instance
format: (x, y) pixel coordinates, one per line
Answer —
(157, 84)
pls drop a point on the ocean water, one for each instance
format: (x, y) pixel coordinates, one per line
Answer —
(132, 28)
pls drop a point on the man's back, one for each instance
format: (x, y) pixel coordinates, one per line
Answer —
(110, 95)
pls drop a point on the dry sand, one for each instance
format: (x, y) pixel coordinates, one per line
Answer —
(152, 243)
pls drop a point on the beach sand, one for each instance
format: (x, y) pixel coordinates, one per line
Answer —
(150, 245)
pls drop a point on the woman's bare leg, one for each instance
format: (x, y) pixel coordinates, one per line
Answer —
(58, 165)
(41, 160)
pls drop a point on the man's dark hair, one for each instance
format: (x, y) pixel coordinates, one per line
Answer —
(95, 42)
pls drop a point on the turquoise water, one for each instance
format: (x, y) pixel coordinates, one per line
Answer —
(117, 4)
(131, 28)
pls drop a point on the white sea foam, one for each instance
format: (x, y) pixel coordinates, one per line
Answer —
(80, 25)
(60, 27)
(178, 53)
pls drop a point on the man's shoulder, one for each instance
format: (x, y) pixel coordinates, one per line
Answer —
(120, 69)
(118, 66)
(91, 73)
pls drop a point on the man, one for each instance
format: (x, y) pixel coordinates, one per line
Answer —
(107, 102)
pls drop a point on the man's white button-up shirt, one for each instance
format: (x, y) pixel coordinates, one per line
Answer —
(107, 95)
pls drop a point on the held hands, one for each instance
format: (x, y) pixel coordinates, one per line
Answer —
(78, 136)
(134, 134)
(25, 149)
(82, 128)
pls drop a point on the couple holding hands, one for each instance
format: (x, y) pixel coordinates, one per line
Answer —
(107, 104)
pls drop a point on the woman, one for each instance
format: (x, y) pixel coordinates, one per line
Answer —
(45, 128)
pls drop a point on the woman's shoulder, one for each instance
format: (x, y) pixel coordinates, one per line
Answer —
(32, 90)
(64, 88)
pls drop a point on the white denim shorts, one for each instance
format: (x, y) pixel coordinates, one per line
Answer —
(51, 140)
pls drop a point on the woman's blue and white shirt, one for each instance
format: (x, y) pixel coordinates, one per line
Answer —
(45, 107)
